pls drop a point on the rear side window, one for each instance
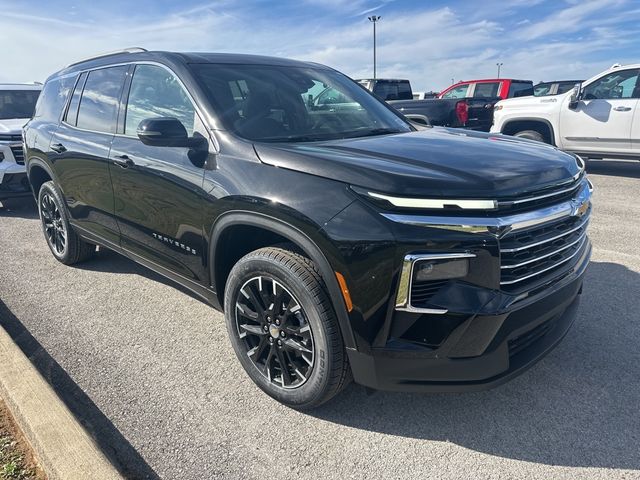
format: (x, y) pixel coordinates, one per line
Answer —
(486, 90)
(393, 90)
(53, 98)
(520, 89)
(100, 99)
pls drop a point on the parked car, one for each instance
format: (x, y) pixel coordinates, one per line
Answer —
(466, 104)
(387, 88)
(598, 119)
(543, 89)
(17, 102)
(339, 244)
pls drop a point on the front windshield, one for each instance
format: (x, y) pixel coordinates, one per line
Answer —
(268, 103)
(17, 103)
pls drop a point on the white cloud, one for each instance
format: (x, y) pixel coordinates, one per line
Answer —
(428, 45)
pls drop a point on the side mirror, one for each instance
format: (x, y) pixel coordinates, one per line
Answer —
(166, 132)
(575, 96)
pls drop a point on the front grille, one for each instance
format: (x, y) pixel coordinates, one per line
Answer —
(540, 198)
(10, 138)
(18, 153)
(541, 254)
(421, 292)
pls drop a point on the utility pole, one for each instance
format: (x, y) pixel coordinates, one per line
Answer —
(499, 65)
(374, 19)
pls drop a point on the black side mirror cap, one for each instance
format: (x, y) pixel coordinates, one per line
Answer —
(164, 132)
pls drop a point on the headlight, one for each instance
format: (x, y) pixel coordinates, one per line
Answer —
(427, 270)
(497, 107)
(390, 201)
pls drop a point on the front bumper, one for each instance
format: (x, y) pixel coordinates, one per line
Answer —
(485, 350)
(13, 176)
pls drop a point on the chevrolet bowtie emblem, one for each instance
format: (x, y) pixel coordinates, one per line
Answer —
(580, 209)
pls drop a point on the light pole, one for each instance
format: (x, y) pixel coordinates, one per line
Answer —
(499, 65)
(374, 19)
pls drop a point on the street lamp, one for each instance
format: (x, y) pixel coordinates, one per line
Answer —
(374, 19)
(499, 65)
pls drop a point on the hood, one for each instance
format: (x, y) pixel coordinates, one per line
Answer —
(436, 162)
(12, 126)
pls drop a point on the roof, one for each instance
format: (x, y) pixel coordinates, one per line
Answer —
(20, 86)
(137, 54)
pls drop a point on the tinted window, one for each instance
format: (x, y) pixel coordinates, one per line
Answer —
(486, 90)
(566, 86)
(520, 89)
(54, 97)
(99, 103)
(393, 90)
(619, 84)
(293, 104)
(458, 92)
(155, 92)
(18, 103)
(72, 111)
(542, 89)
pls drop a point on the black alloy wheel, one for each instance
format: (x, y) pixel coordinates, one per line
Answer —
(275, 332)
(54, 226)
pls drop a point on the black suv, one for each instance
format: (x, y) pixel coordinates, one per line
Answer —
(340, 243)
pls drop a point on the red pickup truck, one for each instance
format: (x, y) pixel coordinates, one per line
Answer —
(489, 88)
(467, 104)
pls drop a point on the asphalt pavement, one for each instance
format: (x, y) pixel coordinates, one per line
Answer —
(148, 370)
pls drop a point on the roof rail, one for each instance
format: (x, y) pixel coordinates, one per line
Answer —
(108, 54)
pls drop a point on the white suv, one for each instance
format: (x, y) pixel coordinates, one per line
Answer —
(599, 118)
(17, 104)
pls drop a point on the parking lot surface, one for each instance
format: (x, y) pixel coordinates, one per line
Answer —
(149, 370)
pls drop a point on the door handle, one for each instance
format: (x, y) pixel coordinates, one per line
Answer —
(58, 148)
(123, 161)
(622, 109)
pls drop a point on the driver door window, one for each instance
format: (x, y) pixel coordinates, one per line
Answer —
(155, 92)
(616, 85)
(457, 92)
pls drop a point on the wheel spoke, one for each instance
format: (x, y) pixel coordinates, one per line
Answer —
(253, 329)
(251, 296)
(284, 368)
(295, 345)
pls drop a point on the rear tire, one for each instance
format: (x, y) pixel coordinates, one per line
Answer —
(283, 328)
(65, 244)
(531, 135)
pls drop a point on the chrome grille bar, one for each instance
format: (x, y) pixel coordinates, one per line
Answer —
(547, 240)
(546, 255)
(551, 267)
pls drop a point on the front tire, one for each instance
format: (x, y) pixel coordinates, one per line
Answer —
(530, 135)
(283, 328)
(65, 244)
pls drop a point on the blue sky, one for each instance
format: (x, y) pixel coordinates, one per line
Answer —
(430, 41)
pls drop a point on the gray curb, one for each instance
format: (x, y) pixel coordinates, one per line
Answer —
(61, 445)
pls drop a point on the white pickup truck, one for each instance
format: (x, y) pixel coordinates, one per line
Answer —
(599, 118)
(17, 103)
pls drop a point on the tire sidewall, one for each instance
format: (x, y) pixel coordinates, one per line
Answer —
(315, 386)
(530, 135)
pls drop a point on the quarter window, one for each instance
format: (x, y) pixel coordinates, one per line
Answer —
(72, 111)
(155, 92)
(99, 103)
(619, 84)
